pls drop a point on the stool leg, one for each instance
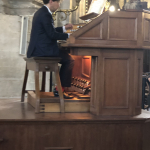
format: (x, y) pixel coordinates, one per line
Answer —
(50, 85)
(62, 105)
(43, 81)
(37, 92)
(24, 84)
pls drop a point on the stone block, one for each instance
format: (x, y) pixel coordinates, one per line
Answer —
(11, 59)
(11, 72)
(10, 88)
(10, 33)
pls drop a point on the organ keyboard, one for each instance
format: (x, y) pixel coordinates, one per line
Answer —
(76, 27)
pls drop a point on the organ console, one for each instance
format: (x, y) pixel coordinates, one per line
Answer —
(81, 77)
(113, 45)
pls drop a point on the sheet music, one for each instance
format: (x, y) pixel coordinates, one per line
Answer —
(97, 6)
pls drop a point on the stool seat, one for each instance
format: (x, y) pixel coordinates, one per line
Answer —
(42, 58)
(42, 64)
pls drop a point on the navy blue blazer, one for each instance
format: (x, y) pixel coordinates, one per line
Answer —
(44, 36)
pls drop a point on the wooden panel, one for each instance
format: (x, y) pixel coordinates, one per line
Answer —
(139, 96)
(146, 136)
(22, 129)
(138, 93)
(82, 67)
(32, 66)
(58, 148)
(47, 67)
(116, 83)
(123, 28)
(72, 107)
(77, 66)
(86, 66)
(112, 43)
(81, 134)
(94, 101)
(31, 98)
(146, 30)
(94, 32)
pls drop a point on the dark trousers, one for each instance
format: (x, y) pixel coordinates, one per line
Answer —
(66, 69)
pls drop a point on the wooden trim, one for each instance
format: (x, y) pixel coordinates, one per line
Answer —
(62, 105)
(58, 148)
(37, 91)
(89, 74)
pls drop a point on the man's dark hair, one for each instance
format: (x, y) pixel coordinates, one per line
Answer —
(47, 1)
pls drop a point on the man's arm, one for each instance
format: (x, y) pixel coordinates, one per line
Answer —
(50, 30)
(64, 28)
(59, 29)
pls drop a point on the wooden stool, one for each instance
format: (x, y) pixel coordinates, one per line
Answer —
(42, 64)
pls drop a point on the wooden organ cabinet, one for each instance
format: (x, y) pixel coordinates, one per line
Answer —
(115, 41)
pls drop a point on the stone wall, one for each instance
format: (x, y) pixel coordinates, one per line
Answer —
(11, 64)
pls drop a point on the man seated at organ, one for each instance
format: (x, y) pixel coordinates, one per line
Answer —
(43, 41)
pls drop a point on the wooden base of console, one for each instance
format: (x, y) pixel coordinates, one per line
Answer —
(22, 129)
(49, 103)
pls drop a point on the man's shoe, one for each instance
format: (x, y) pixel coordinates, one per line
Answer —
(55, 92)
(66, 96)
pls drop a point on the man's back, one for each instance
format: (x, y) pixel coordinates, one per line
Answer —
(44, 36)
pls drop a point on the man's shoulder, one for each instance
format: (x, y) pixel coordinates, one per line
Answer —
(43, 11)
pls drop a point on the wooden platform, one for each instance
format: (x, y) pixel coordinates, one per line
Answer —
(21, 128)
(49, 103)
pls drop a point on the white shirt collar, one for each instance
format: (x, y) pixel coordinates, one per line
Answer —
(48, 9)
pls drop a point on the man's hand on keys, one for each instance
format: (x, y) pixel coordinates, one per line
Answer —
(68, 26)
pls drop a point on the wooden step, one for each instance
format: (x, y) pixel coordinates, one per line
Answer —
(49, 103)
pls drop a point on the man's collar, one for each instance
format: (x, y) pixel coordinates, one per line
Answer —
(48, 9)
